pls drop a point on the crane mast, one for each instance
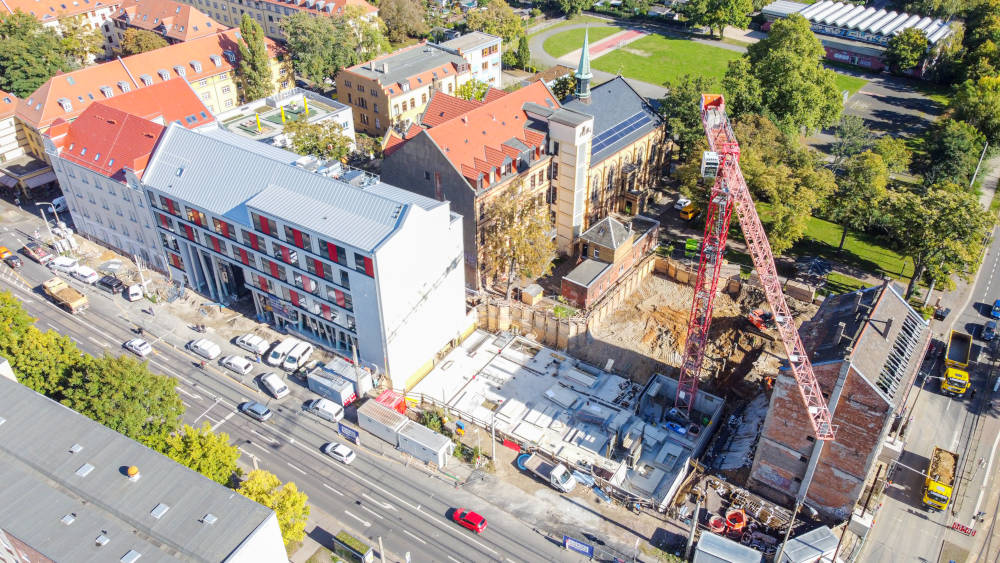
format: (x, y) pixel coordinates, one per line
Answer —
(728, 193)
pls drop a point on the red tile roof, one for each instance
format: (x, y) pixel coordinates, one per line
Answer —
(197, 59)
(173, 100)
(8, 104)
(443, 107)
(333, 7)
(51, 10)
(107, 140)
(175, 20)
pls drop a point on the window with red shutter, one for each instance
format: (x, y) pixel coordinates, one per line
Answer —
(294, 297)
(274, 268)
(327, 312)
(265, 227)
(254, 241)
(319, 268)
(189, 232)
(339, 297)
(285, 255)
(369, 269)
(170, 206)
(297, 236)
(263, 283)
(216, 245)
(164, 220)
(331, 251)
(244, 257)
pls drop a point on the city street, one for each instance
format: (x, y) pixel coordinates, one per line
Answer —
(376, 496)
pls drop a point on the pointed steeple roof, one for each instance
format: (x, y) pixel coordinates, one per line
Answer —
(583, 69)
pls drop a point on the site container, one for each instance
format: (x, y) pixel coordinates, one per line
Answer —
(381, 421)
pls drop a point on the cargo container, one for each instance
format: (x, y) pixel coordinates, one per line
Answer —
(425, 444)
(331, 386)
(381, 421)
(360, 377)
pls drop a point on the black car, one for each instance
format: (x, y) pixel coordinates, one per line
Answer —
(110, 284)
(941, 313)
(14, 262)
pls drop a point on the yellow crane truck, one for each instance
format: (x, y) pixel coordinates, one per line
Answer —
(940, 479)
(956, 359)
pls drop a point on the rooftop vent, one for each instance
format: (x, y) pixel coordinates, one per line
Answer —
(133, 473)
(102, 539)
(131, 557)
(124, 86)
(146, 79)
(159, 510)
(84, 470)
(209, 519)
(107, 91)
(75, 448)
(68, 519)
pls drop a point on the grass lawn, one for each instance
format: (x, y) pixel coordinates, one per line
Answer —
(657, 59)
(574, 21)
(571, 40)
(839, 283)
(935, 92)
(860, 250)
(850, 83)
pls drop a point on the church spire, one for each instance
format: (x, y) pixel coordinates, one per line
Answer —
(583, 74)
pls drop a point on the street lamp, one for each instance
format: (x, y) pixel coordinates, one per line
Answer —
(55, 211)
(47, 227)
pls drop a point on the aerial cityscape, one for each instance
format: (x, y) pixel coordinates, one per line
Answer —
(460, 281)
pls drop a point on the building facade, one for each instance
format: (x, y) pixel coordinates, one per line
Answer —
(90, 157)
(332, 255)
(92, 14)
(12, 139)
(608, 251)
(174, 21)
(208, 64)
(270, 13)
(865, 348)
(393, 91)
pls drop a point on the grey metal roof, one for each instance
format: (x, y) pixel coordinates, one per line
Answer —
(712, 548)
(42, 483)
(621, 116)
(237, 170)
(472, 40)
(588, 271)
(810, 546)
(406, 63)
(425, 436)
(569, 117)
(782, 8)
(608, 232)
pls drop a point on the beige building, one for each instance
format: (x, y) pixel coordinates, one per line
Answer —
(12, 140)
(174, 21)
(269, 13)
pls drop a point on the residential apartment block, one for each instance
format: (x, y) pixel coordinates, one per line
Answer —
(75, 490)
(92, 14)
(270, 13)
(90, 157)
(333, 255)
(11, 134)
(208, 64)
(393, 90)
(174, 21)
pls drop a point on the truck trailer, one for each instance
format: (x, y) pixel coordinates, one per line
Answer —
(67, 297)
(956, 358)
(940, 479)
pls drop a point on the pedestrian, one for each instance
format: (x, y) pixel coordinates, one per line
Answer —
(17, 201)
(973, 396)
(203, 364)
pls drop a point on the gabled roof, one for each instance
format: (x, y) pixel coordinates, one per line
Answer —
(67, 95)
(108, 140)
(621, 116)
(608, 232)
(443, 107)
(51, 10)
(329, 7)
(8, 104)
(163, 103)
(175, 20)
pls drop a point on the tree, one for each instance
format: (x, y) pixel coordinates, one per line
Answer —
(786, 79)
(403, 18)
(906, 50)
(319, 46)
(15, 324)
(499, 19)
(474, 89)
(140, 41)
(951, 152)
(853, 137)
(254, 71)
(121, 393)
(638, 7)
(287, 502)
(367, 34)
(680, 109)
(30, 54)
(204, 451)
(564, 87)
(717, 14)
(79, 42)
(573, 7)
(325, 139)
(516, 237)
(859, 193)
(894, 152)
(523, 53)
(43, 361)
(978, 103)
(941, 231)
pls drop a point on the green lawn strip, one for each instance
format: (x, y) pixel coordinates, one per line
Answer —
(861, 250)
(850, 83)
(839, 283)
(657, 59)
(935, 92)
(574, 21)
(568, 41)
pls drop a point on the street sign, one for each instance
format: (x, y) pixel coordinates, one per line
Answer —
(348, 432)
(578, 546)
(958, 527)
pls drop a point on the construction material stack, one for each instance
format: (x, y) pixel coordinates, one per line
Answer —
(956, 358)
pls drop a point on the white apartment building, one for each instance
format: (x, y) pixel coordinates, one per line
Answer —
(482, 51)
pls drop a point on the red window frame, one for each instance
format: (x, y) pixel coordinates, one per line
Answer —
(339, 297)
(369, 267)
(327, 312)
(164, 220)
(331, 251)
(176, 261)
(274, 268)
(285, 254)
(293, 296)
(263, 283)
(216, 244)
(254, 241)
(189, 232)
(170, 206)
(244, 257)
(297, 237)
(319, 268)
(265, 227)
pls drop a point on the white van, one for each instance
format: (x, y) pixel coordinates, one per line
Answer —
(133, 292)
(279, 352)
(64, 264)
(297, 356)
(325, 409)
(205, 348)
(59, 204)
(275, 386)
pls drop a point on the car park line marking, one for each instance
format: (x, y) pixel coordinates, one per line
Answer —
(365, 522)
(299, 469)
(332, 489)
(372, 512)
(418, 538)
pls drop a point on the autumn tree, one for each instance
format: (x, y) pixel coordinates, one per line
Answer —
(894, 152)
(861, 190)
(79, 42)
(204, 451)
(951, 152)
(121, 393)
(256, 80)
(43, 361)
(717, 14)
(681, 108)
(499, 19)
(139, 41)
(403, 18)
(906, 49)
(30, 54)
(474, 89)
(573, 7)
(853, 137)
(366, 35)
(516, 234)
(325, 139)
(287, 502)
(564, 87)
(978, 104)
(941, 230)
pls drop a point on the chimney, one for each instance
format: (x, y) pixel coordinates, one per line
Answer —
(385, 68)
(838, 334)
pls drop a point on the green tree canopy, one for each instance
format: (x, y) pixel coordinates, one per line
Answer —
(573, 7)
(30, 54)
(204, 451)
(256, 80)
(287, 502)
(860, 191)
(367, 34)
(321, 47)
(474, 89)
(499, 19)
(907, 49)
(941, 230)
(403, 18)
(43, 361)
(951, 151)
(139, 41)
(121, 393)
(79, 42)
(783, 77)
(681, 108)
(978, 103)
(853, 137)
(516, 237)
(15, 323)
(325, 139)
(894, 152)
(564, 87)
(717, 14)
(523, 54)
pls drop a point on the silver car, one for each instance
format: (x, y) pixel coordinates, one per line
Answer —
(139, 347)
(339, 452)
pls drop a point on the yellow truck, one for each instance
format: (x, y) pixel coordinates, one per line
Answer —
(956, 359)
(69, 298)
(940, 478)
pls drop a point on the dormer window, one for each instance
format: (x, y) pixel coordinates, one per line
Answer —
(164, 74)
(123, 86)
(65, 104)
(107, 91)
(146, 79)
(216, 60)
(181, 71)
(196, 66)
(230, 56)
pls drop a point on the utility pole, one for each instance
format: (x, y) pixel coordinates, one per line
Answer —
(694, 527)
(978, 164)
(493, 436)
(47, 227)
(381, 550)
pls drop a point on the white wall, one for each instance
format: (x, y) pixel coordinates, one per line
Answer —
(263, 544)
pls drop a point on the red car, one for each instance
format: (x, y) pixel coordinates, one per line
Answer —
(469, 519)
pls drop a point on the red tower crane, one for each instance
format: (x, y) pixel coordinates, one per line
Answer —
(729, 191)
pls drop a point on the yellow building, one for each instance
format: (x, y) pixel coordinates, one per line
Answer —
(270, 13)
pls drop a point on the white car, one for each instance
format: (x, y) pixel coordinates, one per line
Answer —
(239, 364)
(681, 203)
(253, 343)
(64, 264)
(339, 452)
(138, 347)
(86, 275)
(274, 385)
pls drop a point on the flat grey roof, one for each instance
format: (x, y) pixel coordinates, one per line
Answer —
(406, 63)
(782, 8)
(472, 40)
(43, 481)
(425, 436)
(588, 271)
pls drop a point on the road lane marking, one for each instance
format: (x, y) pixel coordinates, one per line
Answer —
(372, 512)
(384, 505)
(227, 417)
(102, 333)
(365, 522)
(185, 404)
(986, 478)
(186, 392)
(416, 537)
(450, 557)
(98, 342)
(332, 489)
(299, 469)
(271, 440)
